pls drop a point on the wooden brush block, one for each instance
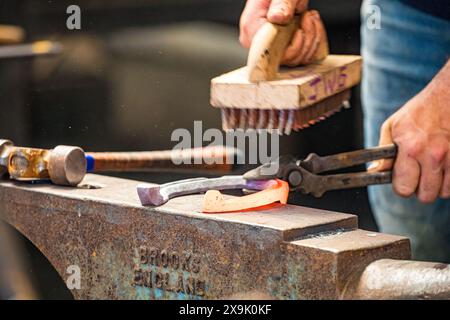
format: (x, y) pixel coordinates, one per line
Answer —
(295, 88)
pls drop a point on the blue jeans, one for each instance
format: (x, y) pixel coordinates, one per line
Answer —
(400, 59)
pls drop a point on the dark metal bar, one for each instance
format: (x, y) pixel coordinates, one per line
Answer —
(317, 164)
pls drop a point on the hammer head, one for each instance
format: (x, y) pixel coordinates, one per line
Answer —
(67, 165)
(64, 165)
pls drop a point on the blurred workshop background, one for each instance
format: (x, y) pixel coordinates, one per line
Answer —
(137, 70)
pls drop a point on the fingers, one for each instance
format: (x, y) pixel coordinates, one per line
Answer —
(309, 31)
(430, 184)
(319, 31)
(252, 18)
(445, 189)
(385, 139)
(294, 47)
(322, 49)
(421, 168)
(406, 174)
(432, 163)
(282, 11)
(307, 42)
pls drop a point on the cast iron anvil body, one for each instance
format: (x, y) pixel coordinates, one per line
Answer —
(127, 251)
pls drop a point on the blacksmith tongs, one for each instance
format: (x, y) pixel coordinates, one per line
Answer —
(304, 175)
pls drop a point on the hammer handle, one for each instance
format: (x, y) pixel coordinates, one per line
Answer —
(212, 158)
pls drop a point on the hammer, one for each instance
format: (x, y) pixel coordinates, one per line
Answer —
(67, 165)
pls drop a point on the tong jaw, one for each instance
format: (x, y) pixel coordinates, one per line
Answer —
(288, 169)
(275, 169)
(300, 179)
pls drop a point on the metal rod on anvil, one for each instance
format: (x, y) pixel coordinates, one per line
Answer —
(156, 195)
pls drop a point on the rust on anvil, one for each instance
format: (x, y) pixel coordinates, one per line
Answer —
(329, 261)
(29, 163)
(392, 279)
(127, 251)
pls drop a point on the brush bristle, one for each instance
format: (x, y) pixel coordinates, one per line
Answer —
(284, 121)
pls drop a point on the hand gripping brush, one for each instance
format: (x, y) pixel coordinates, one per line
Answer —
(260, 96)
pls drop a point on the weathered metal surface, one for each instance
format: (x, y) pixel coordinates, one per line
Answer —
(328, 262)
(396, 279)
(126, 251)
(15, 282)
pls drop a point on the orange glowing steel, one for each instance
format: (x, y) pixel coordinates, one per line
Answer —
(214, 201)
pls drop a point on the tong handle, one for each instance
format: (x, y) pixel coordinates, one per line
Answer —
(318, 185)
(316, 164)
(357, 180)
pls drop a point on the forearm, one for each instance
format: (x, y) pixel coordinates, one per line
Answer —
(442, 79)
(440, 85)
(438, 93)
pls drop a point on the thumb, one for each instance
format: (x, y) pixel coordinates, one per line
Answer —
(281, 11)
(385, 139)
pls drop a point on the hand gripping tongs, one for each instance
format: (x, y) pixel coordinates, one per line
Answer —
(304, 175)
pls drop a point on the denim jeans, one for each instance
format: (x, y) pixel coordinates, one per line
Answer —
(400, 59)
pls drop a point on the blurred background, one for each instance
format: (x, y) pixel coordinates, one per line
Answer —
(137, 70)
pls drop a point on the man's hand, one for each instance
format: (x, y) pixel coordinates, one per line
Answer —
(306, 41)
(421, 130)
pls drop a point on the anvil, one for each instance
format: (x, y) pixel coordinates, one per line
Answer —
(126, 251)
